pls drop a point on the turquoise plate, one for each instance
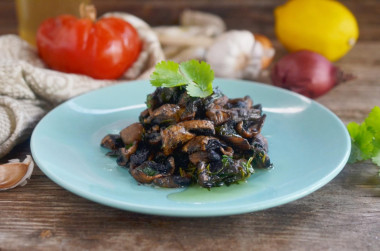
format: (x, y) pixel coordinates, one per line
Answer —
(308, 145)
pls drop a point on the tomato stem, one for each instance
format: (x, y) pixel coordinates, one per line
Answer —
(87, 11)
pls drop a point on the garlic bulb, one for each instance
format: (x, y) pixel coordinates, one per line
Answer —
(15, 173)
(230, 54)
(237, 54)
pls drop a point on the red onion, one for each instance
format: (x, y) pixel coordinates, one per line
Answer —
(307, 73)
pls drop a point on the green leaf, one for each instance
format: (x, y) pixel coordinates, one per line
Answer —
(197, 76)
(373, 120)
(356, 154)
(366, 138)
(376, 158)
(365, 142)
(167, 74)
(353, 128)
(195, 91)
(376, 140)
(362, 138)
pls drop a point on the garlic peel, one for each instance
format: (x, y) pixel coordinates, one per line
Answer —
(15, 173)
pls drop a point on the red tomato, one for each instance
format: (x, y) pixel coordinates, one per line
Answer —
(104, 49)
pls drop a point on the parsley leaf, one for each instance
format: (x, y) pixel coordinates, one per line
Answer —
(197, 76)
(365, 138)
(376, 159)
(373, 120)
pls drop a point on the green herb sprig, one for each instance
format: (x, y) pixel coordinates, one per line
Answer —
(196, 76)
(365, 138)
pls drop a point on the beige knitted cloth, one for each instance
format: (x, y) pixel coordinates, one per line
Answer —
(28, 90)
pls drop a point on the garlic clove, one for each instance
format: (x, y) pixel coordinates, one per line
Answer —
(15, 173)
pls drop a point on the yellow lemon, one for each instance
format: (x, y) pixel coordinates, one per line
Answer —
(323, 26)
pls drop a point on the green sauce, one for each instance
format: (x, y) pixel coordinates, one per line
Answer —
(197, 195)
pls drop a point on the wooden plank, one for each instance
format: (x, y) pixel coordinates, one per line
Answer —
(342, 215)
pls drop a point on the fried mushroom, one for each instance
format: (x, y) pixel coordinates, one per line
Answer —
(132, 133)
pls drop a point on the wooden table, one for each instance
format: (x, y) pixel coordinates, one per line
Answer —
(343, 215)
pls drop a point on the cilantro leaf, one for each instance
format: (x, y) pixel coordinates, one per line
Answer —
(167, 74)
(197, 76)
(195, 91)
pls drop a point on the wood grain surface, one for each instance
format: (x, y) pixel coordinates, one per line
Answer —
(343, 215)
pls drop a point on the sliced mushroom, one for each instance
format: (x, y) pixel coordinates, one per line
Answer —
(204, 178)
(172, 181)
(261, 159)
(260, 142)
(15, 173)
(213, 156)
(187, 114)
(114, 153)
(141, 155)
(155, 128)
(112, 141)
(199, 126)
(239, 114)
(228, 151)
(250, 128)
(174, 136)
(167, 113)
(132, 133)
(198, 157)
(163, 96)
(199, 143)
(153, 138)
(171, 165)
(145, 113)
(125, 153)
(218, 116)
(245, 102)
(145, 173)
(221, 101)
(184, 99)
(238, 142)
